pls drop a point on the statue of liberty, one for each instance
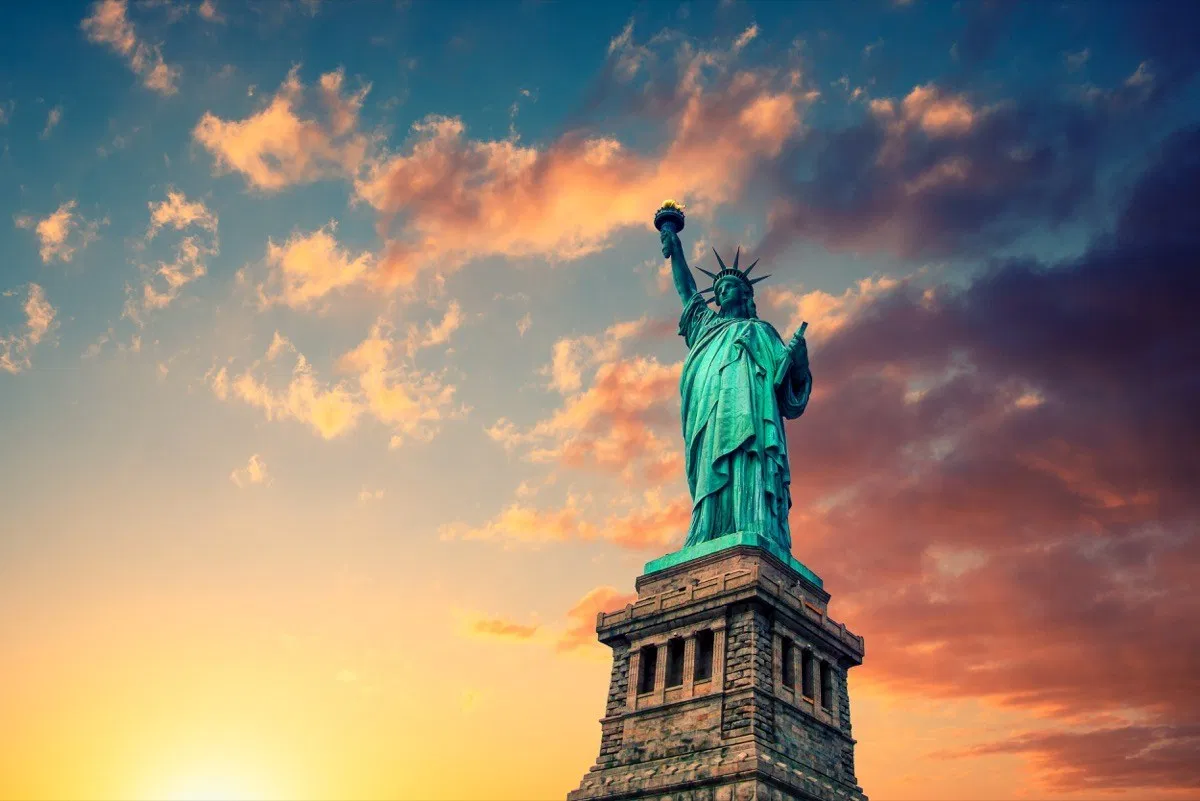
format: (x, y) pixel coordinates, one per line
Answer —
(740, 381)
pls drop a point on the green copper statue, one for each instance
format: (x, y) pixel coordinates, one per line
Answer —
(740, 381)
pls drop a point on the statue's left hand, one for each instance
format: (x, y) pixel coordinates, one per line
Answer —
(799, 348)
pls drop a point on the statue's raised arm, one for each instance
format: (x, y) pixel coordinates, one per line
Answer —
(669, 221)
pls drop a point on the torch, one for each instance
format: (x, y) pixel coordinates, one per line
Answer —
(670, 214)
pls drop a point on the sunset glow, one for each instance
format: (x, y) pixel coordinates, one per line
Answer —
(339, 381)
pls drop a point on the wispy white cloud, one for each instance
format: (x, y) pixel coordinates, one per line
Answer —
(53, 118)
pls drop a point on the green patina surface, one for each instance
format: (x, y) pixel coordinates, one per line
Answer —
(739, 382)
(707, 547)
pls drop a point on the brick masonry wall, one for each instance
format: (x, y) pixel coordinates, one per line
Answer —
(742, 735)
(748, 668)
(676, 730)
(809, 743)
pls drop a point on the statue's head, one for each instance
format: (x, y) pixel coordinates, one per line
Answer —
(733, 289)
(735, 296)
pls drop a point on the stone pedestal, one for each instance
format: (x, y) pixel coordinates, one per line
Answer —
(728, 683)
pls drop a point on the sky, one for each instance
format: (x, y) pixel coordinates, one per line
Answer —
(339, 380)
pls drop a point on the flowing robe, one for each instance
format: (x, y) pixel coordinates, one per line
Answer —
(738, 385)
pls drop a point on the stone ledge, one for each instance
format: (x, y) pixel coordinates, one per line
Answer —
(724, 588)
(736, 540)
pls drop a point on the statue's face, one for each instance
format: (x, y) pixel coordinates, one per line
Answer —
(730, 294)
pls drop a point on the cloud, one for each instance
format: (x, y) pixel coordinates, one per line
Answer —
(179, 213)
(502, 629)
(623, 422)
(619, 417)
(524, 524)
(412, 404)
(63, 233)
(255, 472)
(581, 629)
(573, 355)
(286, 143)
(824, 312)
(16, 349)
(578, 632)
(1131, 757)
(1004, 512)
(209, 12)
(330, 410)
(435, 333)
(939, 173)
(1075, 61)
(166, 281)
(447, 198)
(365, 495)
(638, 523)
(524, 323)
(307, 268)
(109, 25)
(52, 120)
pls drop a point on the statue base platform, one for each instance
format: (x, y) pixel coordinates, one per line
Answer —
(728, 684)
(730, 541)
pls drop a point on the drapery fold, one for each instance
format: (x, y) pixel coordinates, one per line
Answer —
(737, 387)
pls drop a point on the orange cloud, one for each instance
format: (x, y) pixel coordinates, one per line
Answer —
(613, 423)
(652, 524)
(825, 313)
(619, 422)
(284, 144)
(448, 198)
(330, 410)
(581, 630)
(308, 267)
(16, 348)
(179, 213)
(189, 264)
(63, 233)
(255, 472)
(931, 109)
(502, 629)
(647, 523)
(109, 25)
(525, 524)
(435, 333)
(209, 12)
(413, 403)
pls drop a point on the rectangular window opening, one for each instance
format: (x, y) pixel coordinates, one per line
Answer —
(647, 667)
(675, 662)
(704, 656)
(806, 673)
(826, 685)
(788, 651)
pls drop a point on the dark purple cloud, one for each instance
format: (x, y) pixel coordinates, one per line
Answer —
(884, 186)
(1032, 520)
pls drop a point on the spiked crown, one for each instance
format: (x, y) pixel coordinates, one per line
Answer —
(732, 273)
